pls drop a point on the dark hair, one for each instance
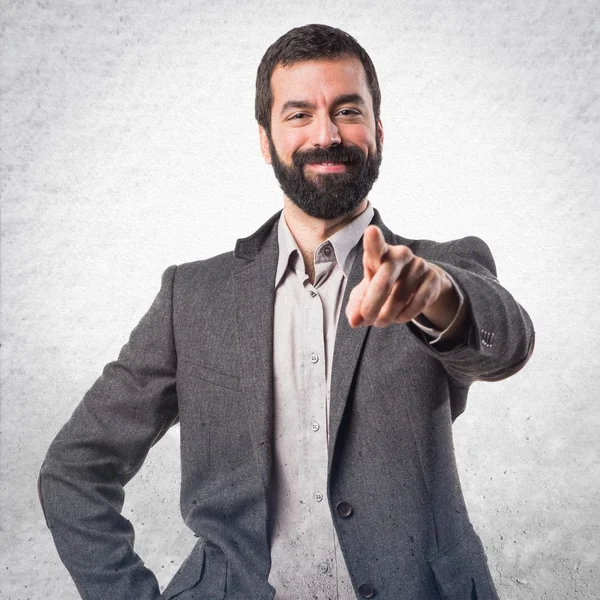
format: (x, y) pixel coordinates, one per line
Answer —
(309, 42)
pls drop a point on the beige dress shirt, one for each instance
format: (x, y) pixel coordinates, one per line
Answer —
(307, 563)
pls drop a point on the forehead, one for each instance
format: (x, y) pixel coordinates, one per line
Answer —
(319, 80)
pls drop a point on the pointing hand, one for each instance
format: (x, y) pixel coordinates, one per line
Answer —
(397, 286)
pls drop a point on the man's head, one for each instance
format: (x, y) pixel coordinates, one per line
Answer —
(317, 105)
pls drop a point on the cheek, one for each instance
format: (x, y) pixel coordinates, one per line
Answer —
(288, 143)
(362, 138)
(292, 140)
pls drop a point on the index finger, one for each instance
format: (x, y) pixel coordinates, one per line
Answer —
(375, 250)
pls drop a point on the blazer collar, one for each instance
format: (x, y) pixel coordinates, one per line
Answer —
(247, 248)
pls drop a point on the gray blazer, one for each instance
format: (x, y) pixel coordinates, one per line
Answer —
(202, 355)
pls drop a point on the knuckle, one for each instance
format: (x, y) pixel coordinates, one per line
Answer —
(402, 317)
(420, 265)
(404, 252)
(366, 310)
(431, 276)
(386, 315)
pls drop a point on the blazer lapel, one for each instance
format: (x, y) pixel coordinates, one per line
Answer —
(254, 285)
(349, 343)
(346, 353)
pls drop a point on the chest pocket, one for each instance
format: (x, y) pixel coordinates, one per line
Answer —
(207, 373)
(202, 576)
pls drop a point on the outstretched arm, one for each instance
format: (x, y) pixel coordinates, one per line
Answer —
(491, 336)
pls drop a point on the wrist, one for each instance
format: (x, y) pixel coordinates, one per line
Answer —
(444, 310)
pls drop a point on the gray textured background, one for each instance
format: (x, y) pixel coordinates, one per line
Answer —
(129, 144)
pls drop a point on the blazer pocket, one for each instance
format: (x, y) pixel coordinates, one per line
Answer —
(202, 575)
(461, 570)
(208, 373)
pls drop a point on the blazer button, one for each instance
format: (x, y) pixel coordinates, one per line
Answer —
(366, 590)
(343, 509)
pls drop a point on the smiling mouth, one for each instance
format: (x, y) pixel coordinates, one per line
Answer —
(328, 167)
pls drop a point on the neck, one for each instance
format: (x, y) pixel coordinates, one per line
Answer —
(310, 232)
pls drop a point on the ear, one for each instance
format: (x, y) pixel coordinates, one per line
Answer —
(264, 144)
(379, 131)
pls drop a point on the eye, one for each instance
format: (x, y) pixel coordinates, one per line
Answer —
(297, 116)
(348, 112)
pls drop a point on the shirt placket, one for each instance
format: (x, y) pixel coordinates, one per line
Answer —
(315, 399)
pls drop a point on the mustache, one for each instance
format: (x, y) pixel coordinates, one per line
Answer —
(336, 154)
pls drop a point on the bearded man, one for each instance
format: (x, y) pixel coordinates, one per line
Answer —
(315, 372)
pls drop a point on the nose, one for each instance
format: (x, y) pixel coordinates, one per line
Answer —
(326, 133)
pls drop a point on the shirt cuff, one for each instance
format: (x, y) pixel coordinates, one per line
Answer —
(425, 325)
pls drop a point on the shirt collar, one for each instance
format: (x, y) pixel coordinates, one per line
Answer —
(343, 242)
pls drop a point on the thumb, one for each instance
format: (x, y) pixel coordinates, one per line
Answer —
(375, 249)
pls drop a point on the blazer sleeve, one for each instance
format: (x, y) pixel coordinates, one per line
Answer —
(500, 337)
(100, 449)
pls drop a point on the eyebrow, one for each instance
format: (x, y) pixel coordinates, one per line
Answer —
(342, 99)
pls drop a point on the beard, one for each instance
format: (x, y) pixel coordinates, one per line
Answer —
(327, 195)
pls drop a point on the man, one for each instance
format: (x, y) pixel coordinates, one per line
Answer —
(315, 372)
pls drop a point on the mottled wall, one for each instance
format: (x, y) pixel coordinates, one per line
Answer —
(129, 144)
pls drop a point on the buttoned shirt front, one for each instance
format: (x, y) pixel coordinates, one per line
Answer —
(306, 558)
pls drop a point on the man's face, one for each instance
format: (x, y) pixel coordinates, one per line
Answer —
(325, 147)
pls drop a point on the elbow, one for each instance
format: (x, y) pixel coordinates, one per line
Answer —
(513, 369)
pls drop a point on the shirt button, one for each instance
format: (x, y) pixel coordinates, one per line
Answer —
(318, 496)
(314, 358)
(366, 590)
(327, 250)
(315, 426)
(323, 567)
(343, 509)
